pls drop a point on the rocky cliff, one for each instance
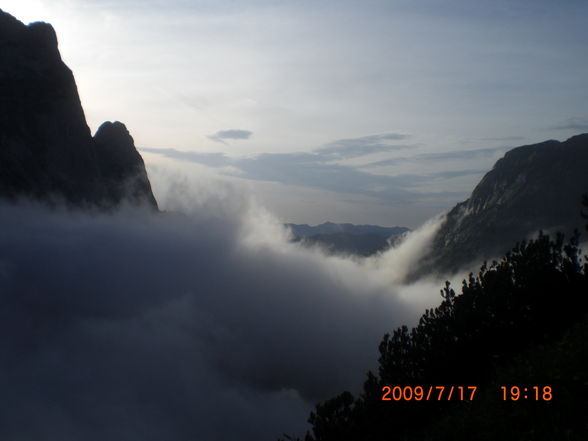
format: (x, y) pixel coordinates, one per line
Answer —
(532, 187)
(46, 150)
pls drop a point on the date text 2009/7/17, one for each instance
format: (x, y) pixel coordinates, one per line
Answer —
(428, 393)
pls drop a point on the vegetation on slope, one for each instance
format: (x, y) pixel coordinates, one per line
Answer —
(509, 326)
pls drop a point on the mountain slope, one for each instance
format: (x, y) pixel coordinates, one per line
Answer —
(532, 187)
(46, 149)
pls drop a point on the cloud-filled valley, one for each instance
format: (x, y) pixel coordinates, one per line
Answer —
(203, 324)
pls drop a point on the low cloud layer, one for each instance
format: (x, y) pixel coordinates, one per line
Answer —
(201, 325)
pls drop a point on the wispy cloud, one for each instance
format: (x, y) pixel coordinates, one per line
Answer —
(430, 157)
(311, 170)
(455, 174)
(503, 138)
(315, 170)
(235, 134)
(575, 123)
(209, 159)
(354, 147)
(320, 169)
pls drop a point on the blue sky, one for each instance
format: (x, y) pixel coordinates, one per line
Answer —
(350, 111)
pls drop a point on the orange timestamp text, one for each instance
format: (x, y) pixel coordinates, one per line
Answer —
(428, 393)
(531, 393)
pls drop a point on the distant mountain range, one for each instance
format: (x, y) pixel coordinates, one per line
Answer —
(46, 150)
(532, 187)
(345, 239)
(305, 230)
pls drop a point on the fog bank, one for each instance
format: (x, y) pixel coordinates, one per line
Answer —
(201, 323)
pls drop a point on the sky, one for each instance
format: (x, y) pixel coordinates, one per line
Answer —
(384, 112)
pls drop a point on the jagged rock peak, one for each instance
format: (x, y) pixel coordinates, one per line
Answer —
(9, 24)
(120, 162)
(111, 128)
(38, 33)
(44, 34)
(46, 150)
(115, 136)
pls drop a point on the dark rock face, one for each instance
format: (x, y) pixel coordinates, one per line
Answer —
(123, 169)
(46, 150)
(532, 187)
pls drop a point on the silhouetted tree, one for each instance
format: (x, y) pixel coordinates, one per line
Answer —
(585, 203)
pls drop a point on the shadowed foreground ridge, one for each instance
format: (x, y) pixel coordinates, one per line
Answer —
(532, 187)
(46, 150)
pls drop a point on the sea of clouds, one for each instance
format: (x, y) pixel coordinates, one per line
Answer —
(203, 322)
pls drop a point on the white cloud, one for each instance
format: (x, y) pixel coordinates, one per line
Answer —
(199, 325)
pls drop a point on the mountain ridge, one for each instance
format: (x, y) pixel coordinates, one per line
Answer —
(533, 187)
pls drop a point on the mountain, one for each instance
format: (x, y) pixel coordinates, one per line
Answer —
(304, 230)
(360, 240)
(46, 150)
(122, 168)
(533, 187)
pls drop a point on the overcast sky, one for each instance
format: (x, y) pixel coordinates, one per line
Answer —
(330, 110)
